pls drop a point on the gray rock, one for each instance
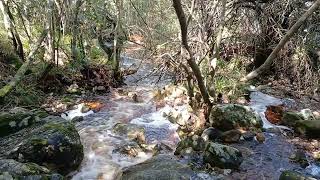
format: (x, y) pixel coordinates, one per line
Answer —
(195, 142)
(231, 136)
(222, 156)
(17, 119)
(291, 175)
(211, 134)
(131, 131)
(291, 118)
(308, 128)
(232, 116)
(55, 144)
(11, 169)
(162, 167)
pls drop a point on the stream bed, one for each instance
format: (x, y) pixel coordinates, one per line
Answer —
(261, 160)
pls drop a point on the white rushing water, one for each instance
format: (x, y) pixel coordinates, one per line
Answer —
(100, 160)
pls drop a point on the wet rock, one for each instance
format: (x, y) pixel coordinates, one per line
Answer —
(232, 116)
(291, 175)
(248, 136)
(308, 128)
(131, 131)
(231, 136)
(11, 169)
(161, 148)
(300, 158)
(260, 137)
(159, 167)
(222, 156)
(195, 142)
(211, 134)
(55, 144)
(291, 118)
(17, 119)
(131, 149)
(77, 119)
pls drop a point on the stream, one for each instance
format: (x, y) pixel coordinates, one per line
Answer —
(101, 161)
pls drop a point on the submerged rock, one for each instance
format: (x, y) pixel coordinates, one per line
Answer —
(222, 156)
(291, 175)
(308, 128)
(55, 144)
(232, 116)
(131, 149)
(161, 167)
(11, 169)
(131, 131)
(300, 158)
(17, 119)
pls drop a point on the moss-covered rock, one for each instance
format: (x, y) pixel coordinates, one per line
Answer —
(131, 131)
(231, 116)
(222, 156)
(162, 167)
(308, 128)
(17, 119)
(291, 118)
(11, 169)
(196, 143)
(291, 175)
(54, 144)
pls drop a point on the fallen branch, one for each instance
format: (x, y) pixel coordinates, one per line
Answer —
(283, 41)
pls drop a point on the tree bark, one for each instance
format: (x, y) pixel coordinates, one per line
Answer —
(190, 60)
(267, 64)
(216, 50)
(11, 28)
(75, 31)
(22, 70)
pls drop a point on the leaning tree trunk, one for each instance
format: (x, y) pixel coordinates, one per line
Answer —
(22, 70)
(267, 64)
(11, 28)
(191, 60)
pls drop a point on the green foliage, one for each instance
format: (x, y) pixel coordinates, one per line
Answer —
(227, 78)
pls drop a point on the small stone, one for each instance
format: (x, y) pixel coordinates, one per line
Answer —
(231, 136)
(211, 134)
(248, 136)
(260, 137)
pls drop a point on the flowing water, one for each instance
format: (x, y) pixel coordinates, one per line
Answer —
(101, 161)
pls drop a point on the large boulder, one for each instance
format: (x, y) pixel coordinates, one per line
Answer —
(291, 118)
(11, 169)
(231, 116)
(131, 131)
(161, 167)
(308, 128)
(291, 175)
(222, 156)
(55, 143)
(17, 119)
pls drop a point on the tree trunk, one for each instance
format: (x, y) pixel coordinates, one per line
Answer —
(117, 43)
(267, 64)
(75, 31)
(11, 28)
(22, 70)
(191, 61)
(216, 50)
